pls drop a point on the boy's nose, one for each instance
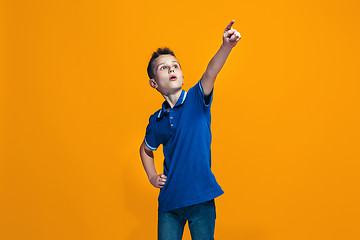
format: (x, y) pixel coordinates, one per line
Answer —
(171, 70)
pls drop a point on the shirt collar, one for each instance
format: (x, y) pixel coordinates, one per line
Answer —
(179, 102)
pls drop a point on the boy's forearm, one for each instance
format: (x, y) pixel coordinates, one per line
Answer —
(147, 159)
(217, 62)
(213, 68)
(230, 39)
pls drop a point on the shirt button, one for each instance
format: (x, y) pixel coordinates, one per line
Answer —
(171, 117)
(172, 125)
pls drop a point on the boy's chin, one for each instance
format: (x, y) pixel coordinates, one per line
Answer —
(170, 91)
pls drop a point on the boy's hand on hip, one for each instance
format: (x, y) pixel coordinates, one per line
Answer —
(158, 181)
(231, 36)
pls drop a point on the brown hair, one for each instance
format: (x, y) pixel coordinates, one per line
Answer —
(159, 52)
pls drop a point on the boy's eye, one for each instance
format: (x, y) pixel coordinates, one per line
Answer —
(175, 66)
(162, 68)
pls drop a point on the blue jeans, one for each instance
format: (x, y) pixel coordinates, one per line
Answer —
(201, 219)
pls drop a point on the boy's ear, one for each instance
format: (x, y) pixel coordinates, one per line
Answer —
(152, 83)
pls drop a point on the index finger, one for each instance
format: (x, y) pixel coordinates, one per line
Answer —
(230, 25)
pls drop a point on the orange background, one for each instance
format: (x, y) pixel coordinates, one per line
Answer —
(75, 103)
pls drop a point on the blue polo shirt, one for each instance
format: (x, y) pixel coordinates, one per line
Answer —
(185, 134)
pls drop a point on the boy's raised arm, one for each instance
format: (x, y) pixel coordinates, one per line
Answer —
(230, 39)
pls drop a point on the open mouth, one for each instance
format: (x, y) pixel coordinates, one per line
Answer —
(173, 78)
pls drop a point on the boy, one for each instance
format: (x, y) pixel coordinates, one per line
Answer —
(182, 125)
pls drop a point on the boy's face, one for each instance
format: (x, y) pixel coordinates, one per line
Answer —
(168, 75)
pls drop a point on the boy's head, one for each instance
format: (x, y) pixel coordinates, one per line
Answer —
(165, 72)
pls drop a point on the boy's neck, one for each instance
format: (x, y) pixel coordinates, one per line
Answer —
(173, 98)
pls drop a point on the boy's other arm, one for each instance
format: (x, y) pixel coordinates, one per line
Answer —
(147, 159)
(230, 39)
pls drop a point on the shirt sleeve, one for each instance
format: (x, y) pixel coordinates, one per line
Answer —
(151, 138)
(204, 100)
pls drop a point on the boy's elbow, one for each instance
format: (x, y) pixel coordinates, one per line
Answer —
(210, 74)
(207, 83)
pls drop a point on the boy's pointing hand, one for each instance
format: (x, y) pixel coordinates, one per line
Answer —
(231, 36)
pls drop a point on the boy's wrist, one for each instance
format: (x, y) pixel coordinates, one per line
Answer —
(226, 48)
(152, 176)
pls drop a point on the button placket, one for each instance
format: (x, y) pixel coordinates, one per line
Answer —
(171, 118)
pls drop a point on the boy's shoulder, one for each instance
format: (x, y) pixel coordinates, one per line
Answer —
(155, 115)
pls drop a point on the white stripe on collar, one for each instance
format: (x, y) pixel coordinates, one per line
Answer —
(159, 114)
(184, 98)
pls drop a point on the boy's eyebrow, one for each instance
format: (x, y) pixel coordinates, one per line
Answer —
(163, 63)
